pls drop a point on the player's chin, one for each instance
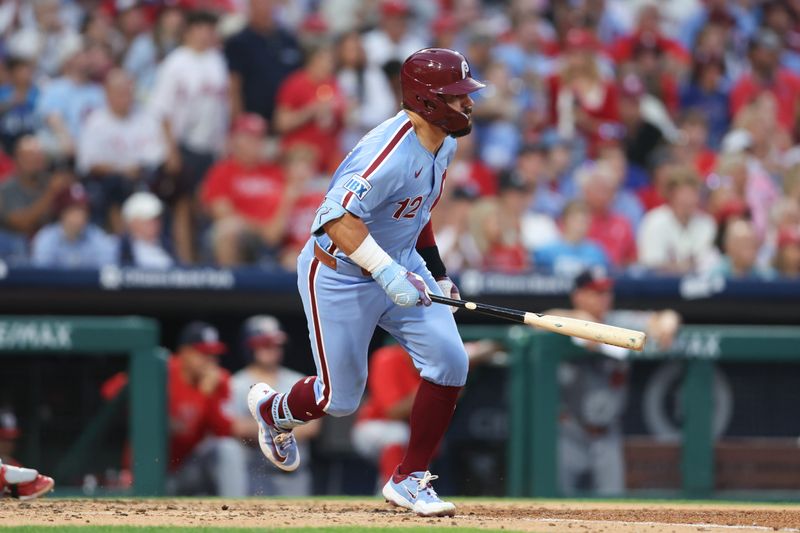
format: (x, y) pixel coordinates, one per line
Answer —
(462, 132)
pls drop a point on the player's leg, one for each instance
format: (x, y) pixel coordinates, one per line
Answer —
(573, 456)
(342, 312)
(430, 336)
(608, 463)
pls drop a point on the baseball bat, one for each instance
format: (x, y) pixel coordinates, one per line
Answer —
(573, 327)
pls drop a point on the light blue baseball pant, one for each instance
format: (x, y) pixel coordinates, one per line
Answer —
(343, 310)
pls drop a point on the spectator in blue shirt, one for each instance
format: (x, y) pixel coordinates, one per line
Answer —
(72, 242)
(573, 252)
(17, 103)
(67, 101)
(707, 92)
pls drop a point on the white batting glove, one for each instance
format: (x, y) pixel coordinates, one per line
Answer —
(449, 289)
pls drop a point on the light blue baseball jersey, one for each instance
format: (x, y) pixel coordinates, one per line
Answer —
(391, 182)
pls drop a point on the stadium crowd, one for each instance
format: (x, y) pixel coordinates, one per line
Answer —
(623, 133)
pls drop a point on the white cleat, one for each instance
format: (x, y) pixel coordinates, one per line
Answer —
(416, 494)
(278, 445)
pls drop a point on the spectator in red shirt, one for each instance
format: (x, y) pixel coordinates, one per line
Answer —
(300, 169)
(246, 198)
(599, 184)
(766, 75)
(202, 459)
(648, 32)
(581, 100)
(311, 108)
(470, 172)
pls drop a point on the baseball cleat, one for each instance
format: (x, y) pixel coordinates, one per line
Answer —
(415, 492)
(33, 489)
(278, 445)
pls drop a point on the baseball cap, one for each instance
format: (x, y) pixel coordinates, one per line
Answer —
(203, 337)
(594, 279)
(395, 8)
(581, 39)
(142, 206)
(251, 124)
(263, 330)
(511, 180)
(8, 425)
(74, 195)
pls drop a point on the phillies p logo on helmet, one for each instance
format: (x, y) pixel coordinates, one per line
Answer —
(464, 69)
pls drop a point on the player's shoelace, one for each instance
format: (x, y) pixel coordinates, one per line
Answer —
(284, 441)
(424, 483)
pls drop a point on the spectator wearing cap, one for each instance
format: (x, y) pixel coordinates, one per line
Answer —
(767, 75)
(259, 58)
(143, 244)
(573, 252)
(119, 150)
(677, 237)
(365, 85)
(18, 99)
(787, 256)
(590, 441)
(191, 100)
(263, 347)
(599, 184)
(247, 199)
(67, 101)
(72, 242)
(739, 20)
(706, 91)
(582, 102)
(392, 39)
(203, 458)
(27, 199)
(311, 108)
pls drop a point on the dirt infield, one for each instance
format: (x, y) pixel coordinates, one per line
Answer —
(555, 517)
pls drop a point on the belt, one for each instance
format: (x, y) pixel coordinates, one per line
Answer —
(336, 264)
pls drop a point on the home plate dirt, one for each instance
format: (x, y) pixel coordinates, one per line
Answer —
(537, 516)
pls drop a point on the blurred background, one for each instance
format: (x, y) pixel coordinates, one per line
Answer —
(633, 162)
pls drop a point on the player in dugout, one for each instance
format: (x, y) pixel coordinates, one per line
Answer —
(370, 261)
(16, 481)
(203, 458)
(594, 390)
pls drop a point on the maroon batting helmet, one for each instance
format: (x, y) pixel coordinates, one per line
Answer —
(428, 75)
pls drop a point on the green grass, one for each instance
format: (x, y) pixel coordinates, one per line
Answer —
(168, 529)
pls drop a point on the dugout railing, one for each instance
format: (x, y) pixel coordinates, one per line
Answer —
(535, 356)
(133, 337)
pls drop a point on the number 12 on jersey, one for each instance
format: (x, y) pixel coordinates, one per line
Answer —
(408, 208)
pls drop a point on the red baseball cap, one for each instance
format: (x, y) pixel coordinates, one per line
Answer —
(396, 8)
(74, 195)
(594, 280)
(251, 124)
(203, 337)
(580, 39)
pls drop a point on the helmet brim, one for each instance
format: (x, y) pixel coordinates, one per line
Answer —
(465, 86)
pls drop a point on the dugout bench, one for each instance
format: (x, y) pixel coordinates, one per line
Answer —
(134, 337)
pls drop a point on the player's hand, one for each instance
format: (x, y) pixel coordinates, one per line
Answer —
(404, 288)
(449, 289)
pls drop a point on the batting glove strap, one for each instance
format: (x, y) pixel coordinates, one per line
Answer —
(404, 288)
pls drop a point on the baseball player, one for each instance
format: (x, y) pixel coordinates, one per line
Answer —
(369, 262)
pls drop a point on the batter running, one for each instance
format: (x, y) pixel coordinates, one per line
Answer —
(368, 263)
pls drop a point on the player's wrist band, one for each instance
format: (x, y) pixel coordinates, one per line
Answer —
(433, 261)
(370, 256)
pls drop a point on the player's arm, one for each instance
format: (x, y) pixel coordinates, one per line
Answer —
(350, 234)
(427, 249)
